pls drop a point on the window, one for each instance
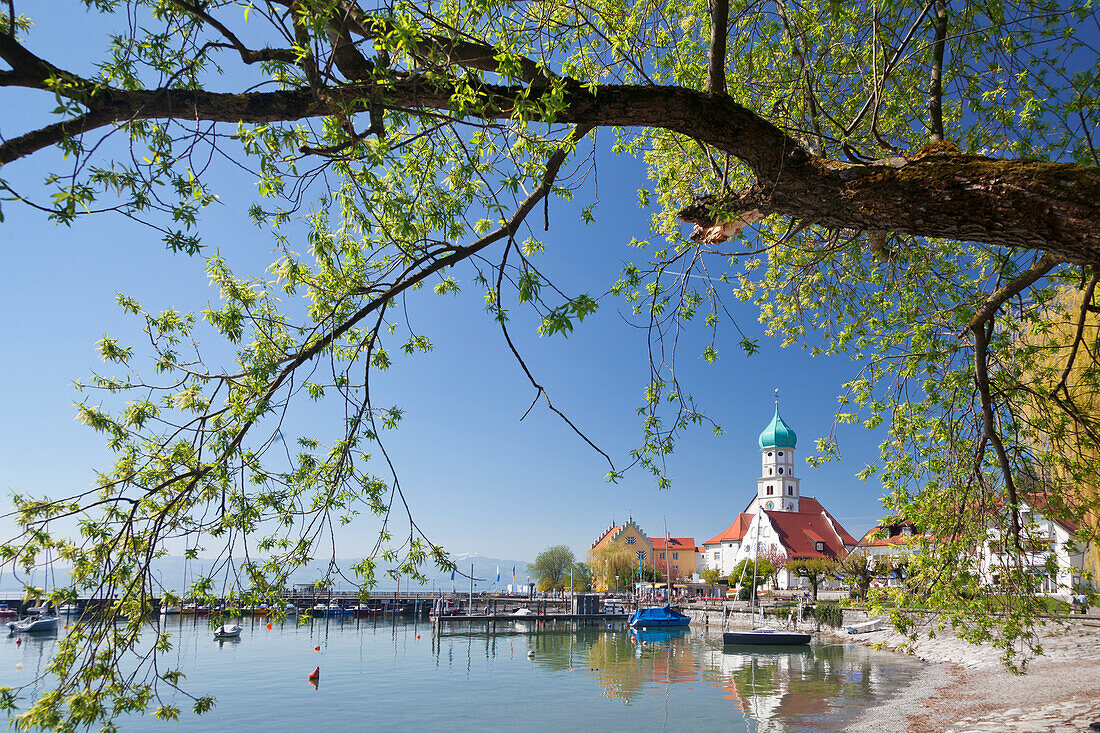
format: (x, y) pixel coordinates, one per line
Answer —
(780, 453)
(717, 555)
(769, 454)
(675, 556)
(790, 491)
(662, 556)
(781, 470)
(769, 472)
(820, 546)
(631, 540)
(641, 554)
(769, 491)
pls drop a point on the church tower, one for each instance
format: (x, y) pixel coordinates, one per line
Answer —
(777, 487)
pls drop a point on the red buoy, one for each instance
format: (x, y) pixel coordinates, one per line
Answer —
(317, 648)
(315, 674)
(269, 626)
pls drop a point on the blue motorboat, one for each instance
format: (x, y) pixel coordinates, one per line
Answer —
(662, 617)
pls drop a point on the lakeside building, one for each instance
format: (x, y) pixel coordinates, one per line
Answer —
(778, 520)
(1049, 542)
(678, 555)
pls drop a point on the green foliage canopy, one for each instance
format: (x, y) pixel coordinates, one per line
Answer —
(910, 185)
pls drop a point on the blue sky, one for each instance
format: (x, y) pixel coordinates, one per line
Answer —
(476, 478)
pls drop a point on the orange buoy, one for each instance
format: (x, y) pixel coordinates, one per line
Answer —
(418, 636)
(315, 674)
(269, 626)
(317, 648)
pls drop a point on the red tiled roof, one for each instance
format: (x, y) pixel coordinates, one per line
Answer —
(893, 529)
(701, 550)
(735, 532)
(800, 531)
(607, 536)
(1042, 502)
(675, 543)
(808, 504)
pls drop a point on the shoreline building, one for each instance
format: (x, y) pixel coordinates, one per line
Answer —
(778, 520)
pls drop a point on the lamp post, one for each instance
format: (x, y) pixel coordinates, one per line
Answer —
(616, 584)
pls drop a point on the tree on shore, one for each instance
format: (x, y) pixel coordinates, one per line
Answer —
(858, 569)
(914, 186)
(814, 569)
(582, 577)
(750, 570)
(614, 560)
(551, 567)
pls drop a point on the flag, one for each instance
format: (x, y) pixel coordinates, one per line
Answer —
(513, 573)
(452, 573)
(498, 573)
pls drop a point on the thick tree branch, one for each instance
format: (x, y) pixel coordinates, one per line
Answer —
(1036, 205)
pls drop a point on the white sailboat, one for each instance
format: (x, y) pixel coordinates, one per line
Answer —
(763, 635)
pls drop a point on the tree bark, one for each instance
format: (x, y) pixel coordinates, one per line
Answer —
(1050, 207)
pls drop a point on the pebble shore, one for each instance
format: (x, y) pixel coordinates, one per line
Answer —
(966, 689)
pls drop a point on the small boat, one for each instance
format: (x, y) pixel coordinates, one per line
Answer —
(364, 609)
(33, 624)
(168, 610)
(190, 609)
(662, 617)
(6, 611)
(228, 631)
(525, 611)
(69, 609)
(329, 609)
(865, 627)
(766, 636)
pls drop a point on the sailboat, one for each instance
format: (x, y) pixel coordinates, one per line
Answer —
(660, 617)
(763, 635)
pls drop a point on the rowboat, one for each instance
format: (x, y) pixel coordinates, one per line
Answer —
(228, 631)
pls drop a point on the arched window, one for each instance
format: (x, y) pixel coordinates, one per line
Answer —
(769, 491)
(780, 469)
(769, 472)
(790, 491)
(780, 453)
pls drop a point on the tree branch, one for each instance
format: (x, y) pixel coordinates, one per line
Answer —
(716, 59)
(935, 90)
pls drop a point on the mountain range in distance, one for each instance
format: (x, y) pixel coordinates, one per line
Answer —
(172, 571)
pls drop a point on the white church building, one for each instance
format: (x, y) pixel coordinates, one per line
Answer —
(778, 521)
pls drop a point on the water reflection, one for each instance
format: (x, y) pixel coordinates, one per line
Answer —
(612, 677)
(816, 687)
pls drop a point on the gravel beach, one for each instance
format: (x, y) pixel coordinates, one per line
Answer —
(965, 687)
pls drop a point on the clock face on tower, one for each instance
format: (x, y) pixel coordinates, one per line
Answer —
(768, 505)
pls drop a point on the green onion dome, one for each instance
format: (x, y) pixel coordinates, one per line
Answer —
(778, 434)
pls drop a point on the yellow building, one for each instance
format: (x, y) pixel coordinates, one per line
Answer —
(677, 554)
(631, 538)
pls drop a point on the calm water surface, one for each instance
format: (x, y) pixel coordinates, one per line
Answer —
(379, 673)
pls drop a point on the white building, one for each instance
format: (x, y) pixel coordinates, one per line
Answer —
(778, 519)
(1045, 539)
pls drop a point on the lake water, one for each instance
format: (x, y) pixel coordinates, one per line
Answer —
(406, 675)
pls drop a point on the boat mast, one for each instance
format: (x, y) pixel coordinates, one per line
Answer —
(756, 560)
(668, 575)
